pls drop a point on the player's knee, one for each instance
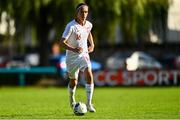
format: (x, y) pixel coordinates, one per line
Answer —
(90, 80)
(73, 83)
(89, 75)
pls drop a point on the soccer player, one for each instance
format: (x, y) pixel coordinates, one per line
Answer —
(78, 41)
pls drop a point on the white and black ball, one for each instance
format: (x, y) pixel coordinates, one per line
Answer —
(80, 108)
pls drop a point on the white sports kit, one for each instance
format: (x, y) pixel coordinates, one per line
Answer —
(76, 36)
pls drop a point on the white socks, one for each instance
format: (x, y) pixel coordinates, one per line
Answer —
(89, 91)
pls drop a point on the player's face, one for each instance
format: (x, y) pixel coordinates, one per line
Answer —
(82, 13)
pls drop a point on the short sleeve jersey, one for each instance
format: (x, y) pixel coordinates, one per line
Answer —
(77, 36)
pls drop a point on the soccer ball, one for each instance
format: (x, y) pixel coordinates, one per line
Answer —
(80, 109)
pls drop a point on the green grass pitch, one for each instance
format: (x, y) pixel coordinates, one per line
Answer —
(110, 103)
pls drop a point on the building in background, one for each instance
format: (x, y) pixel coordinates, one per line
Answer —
(173, 25)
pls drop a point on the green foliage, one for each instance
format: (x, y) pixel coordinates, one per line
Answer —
(42, 16)
(105, 16)
(143, 14)
(134, 17)
(28, 12)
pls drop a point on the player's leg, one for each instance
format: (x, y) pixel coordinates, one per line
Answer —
(72, 89)
(73, 71)
(73, 76)
(89, 88)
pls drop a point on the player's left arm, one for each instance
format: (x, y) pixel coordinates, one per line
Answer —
(91, 43)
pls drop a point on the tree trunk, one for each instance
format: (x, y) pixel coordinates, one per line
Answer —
(43, 30)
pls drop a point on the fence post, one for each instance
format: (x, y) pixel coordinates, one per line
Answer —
(21, 79)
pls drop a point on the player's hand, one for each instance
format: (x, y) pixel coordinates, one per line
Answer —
(90, 49)
(78, 50)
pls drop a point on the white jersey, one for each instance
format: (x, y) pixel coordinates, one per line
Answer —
(76, 36)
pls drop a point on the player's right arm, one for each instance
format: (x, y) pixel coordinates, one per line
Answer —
(64, 44)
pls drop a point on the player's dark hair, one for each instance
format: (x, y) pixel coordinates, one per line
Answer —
(79, 5)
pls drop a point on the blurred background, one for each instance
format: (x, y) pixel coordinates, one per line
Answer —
(137, 42)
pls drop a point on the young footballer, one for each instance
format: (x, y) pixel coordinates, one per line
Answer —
(78, 41)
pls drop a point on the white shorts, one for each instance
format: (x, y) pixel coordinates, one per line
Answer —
(75, 64)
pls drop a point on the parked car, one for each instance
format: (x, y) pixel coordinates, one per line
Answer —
(3, 61)
(17, 61)
(33, 59)
(28, 60)
(141, 60)
(117, 60)
(177, 62)
(170, 61)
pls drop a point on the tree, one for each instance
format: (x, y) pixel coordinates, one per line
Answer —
(105, 15)
(43, 16)
(134, 17)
